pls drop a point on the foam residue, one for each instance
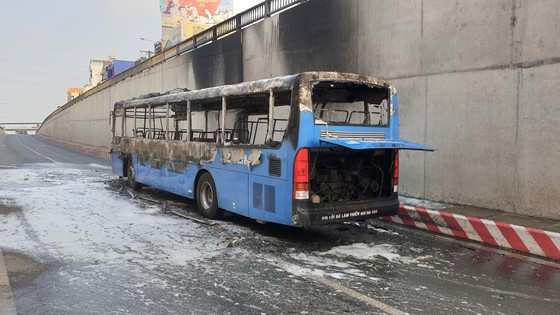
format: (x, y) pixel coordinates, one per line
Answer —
(363, 251)
(70, 214)
(431, 205)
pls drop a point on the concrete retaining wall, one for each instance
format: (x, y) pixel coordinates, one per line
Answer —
(478, 79)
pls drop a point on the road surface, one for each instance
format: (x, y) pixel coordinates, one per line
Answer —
(74, 240)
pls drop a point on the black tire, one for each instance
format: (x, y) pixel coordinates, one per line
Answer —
(131, 176)
(207, 198)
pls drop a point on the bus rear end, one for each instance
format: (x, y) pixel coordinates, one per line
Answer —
(344, 185)
(346, 166)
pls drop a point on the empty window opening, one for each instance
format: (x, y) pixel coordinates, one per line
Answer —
(342, 103)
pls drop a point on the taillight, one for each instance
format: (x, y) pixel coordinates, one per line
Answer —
(396, 172)
(301, 175)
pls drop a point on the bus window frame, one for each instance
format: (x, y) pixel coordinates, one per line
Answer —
(220, 140)
(161, 110)
(388, 98)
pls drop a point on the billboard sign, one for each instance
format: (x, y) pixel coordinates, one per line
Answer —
(182, 19)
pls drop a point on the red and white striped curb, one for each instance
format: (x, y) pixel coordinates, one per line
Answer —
(92, 150)
(524, 239)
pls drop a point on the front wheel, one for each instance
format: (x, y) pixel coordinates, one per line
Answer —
(207, 198)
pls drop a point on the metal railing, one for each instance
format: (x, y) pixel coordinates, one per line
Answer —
(234, 24)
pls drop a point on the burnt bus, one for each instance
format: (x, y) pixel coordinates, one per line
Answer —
(299, 150)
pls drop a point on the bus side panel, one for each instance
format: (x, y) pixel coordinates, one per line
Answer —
(172, 182)
(188, 189)
(117, 164)
(232, 190)
(142, 171)
(164, 179)
(270, 200)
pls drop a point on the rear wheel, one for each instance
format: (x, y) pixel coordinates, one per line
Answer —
(131, 176)
(207, 198)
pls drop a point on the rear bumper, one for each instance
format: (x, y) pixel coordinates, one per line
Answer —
(305, 213)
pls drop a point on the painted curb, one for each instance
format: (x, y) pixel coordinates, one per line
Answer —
(500, 234)
(97, 151)
(7, 304)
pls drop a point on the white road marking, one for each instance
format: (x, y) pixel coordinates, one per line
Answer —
(358, 296)
(7, 305)
(352, 293)
(46, 157)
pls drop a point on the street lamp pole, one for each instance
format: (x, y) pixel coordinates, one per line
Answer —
(153, 44)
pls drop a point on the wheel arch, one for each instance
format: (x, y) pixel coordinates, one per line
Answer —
(197, 178)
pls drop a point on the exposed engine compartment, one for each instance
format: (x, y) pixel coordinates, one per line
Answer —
(349, 175)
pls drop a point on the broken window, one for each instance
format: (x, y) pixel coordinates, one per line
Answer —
(250, 120)
(343, 103)
(147, 123)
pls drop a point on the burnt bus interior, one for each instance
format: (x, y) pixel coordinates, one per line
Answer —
(258, 119)
(341, 174)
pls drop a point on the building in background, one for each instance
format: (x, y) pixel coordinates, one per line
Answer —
(96, 67)
(116, 67)
(99, 71)
(182, 19)
(73, 92)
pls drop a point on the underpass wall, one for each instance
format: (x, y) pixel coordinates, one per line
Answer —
(476, 79)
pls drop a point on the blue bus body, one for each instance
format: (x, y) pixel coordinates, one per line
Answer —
(258, 181)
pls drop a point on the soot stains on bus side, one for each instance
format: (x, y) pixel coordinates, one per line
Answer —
(177, 155)
(175, 151)
(241, 156)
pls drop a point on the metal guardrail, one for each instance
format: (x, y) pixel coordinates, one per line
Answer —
(234, 24)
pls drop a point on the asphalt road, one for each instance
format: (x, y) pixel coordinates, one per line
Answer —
(74, 240)
(18, 150)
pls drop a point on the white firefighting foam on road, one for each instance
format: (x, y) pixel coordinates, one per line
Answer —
(129, 231)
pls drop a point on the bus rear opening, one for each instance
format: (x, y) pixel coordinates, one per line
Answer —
(339, 174)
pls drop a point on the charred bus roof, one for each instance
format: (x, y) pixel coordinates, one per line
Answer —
(260, 86)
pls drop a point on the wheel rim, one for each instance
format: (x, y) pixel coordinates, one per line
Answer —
(206, 196)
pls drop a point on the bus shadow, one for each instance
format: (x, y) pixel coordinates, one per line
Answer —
(312, 238)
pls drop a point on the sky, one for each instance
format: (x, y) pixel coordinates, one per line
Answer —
(46, 47)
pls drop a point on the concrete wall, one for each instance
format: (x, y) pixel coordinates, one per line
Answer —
(478, 79)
